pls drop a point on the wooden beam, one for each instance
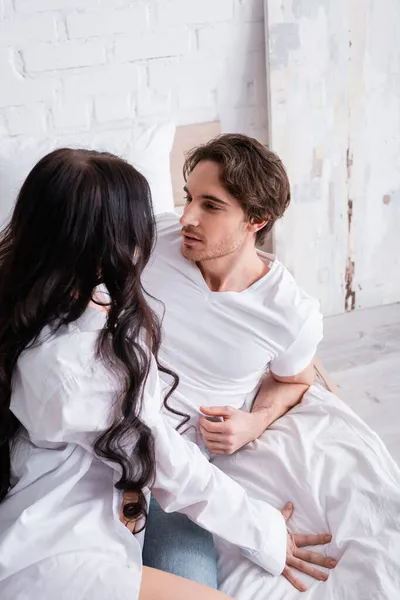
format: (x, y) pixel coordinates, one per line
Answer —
(326, 378)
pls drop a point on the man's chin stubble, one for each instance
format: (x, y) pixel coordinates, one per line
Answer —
(201, 256)
(190, 255)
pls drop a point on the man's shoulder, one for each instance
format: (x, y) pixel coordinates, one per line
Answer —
(167, 222)
(287, 298)
(166, 259)
(168, 234)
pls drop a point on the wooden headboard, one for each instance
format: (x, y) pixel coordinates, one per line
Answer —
(186, 138)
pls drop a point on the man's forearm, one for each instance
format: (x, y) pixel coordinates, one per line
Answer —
(239, 427)
(274, 399)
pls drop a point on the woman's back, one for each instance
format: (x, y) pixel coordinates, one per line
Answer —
(75, 384)
(63, 499)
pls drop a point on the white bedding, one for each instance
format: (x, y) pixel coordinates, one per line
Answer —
(342, 480)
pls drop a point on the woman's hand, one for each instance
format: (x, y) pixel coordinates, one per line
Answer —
(303, 560)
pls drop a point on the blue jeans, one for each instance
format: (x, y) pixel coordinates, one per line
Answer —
(174, 544)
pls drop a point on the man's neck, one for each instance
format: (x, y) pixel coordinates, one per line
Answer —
(233, 272)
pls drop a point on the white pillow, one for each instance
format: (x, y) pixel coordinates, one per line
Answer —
(146, 147)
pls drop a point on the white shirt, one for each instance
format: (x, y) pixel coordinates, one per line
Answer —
(60, 534)
(221, 343)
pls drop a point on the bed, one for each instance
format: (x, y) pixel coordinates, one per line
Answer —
(321, 456)
(332, 466)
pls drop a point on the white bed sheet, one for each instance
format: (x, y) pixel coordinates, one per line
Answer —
(342, 480)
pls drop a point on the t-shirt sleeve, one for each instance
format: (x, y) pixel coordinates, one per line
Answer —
(302, 350)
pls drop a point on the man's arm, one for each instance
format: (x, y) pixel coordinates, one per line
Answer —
(278, 395)
(237, 428)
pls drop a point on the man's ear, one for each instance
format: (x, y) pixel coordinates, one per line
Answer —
(255, 225)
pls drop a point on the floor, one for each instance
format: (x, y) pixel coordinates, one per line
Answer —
(361, 352)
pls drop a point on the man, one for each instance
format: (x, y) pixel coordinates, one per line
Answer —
(230, 314)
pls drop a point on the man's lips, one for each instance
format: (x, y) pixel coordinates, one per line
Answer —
(189, 237)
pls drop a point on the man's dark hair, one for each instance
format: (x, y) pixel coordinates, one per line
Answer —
(251, 173)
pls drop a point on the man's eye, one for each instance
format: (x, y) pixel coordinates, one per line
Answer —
(187, 199)
(211, 206)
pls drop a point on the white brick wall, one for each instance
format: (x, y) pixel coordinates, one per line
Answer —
(28, 119)
(79, 65)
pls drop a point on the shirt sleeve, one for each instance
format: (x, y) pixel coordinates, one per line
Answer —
(186, 482)
(79, 410)
(298, 356)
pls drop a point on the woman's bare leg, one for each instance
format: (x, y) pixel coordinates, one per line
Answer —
(158, 585)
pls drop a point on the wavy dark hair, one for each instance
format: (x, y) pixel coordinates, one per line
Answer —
(83, 218)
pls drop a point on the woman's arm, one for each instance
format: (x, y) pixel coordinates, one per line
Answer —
(79, 410)
(186, 482)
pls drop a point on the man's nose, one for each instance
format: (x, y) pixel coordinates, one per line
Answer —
(190, 216)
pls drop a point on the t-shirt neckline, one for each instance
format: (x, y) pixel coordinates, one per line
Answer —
(271, 259)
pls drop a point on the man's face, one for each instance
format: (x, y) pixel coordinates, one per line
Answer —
(213, 222)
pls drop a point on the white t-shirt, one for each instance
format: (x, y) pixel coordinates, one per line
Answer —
(60, 533)
(221, 343)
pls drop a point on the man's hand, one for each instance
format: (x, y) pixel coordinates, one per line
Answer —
(303, 560)
(236, 428)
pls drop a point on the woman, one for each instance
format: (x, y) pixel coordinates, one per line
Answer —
(80, 399)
